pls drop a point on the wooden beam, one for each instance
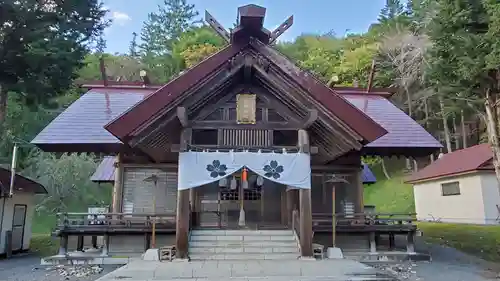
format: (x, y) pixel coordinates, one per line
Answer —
(305, 208)
(186, 136)
(231, 124)
(219, 29)
(247, 69)
(118, 184)
(177, 148)
(182, 116)
(312, 117)
(281, 29)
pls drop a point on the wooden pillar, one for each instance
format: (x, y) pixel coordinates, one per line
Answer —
(118, 186)
(79, 244)
(359, 205)
(183, 196)
(334, 219)
(94, 242)
(63, 246)
(306, 235)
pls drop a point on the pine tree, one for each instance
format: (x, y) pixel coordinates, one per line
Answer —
(391, 10)
(100, 45)
(165, 26)
(133, 46)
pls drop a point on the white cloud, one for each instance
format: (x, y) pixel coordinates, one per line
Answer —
(120, 18)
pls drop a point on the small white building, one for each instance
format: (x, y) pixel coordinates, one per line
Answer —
(16, 212)
(460, 187)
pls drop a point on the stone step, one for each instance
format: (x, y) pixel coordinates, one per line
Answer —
(219, 232)
(245, 256)
(260, 244)
(242, 238)
(229, 250)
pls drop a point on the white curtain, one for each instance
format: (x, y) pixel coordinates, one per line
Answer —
(200, 168)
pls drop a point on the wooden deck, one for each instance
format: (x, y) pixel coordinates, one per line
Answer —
(121, 223)
(396, 223)
(114, 223)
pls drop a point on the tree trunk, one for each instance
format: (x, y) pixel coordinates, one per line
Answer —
(426, 111)
(445, 126)
(492, 126)
(3, 105)
(384, 169)
(456, 136)
(464, 133)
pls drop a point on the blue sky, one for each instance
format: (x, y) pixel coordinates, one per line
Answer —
(310, 16)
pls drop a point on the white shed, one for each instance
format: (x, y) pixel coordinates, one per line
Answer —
(16, 212)
(460, 187)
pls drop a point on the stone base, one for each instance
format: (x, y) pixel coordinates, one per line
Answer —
(180, 260)
(307, 259)
(151, 255)
(334, 253)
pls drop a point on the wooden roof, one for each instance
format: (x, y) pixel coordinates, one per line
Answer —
(458, 162)
(80, 128)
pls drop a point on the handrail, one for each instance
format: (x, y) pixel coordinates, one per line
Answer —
(92, 219)
(296, 222)
(365, 218)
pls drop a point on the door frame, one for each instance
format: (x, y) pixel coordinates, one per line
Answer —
(24, 223)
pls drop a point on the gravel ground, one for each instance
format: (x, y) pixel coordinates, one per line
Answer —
(27, 267)
(448, 264)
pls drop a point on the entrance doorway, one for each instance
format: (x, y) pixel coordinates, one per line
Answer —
(263, 202)
(18, 222)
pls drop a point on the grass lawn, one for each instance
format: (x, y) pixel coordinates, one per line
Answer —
(390, 196)
(44, 245)
(478, 240)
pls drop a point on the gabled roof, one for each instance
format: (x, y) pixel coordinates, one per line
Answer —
(151, 107)
(470, 159)
(21, 184)
(367, 175)
(82, 123)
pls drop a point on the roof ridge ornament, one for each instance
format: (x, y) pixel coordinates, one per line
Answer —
(250, 22)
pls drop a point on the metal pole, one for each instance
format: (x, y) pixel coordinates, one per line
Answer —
(13, 169)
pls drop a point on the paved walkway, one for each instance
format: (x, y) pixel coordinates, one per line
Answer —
(331, 270)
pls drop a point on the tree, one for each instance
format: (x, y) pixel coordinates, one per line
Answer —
(391, 10)
(164, 27)
(101, 45)
(133, 46)
(43, 45)
(464, 60)
(195, 45)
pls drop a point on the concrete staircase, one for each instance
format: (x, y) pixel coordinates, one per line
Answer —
(243, 245)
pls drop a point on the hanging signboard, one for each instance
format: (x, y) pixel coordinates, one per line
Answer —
(245, 108)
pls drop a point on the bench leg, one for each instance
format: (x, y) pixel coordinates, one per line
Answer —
(410, 244)
(105, 245)
(79, 245)
(63, 246)
(373, 243)
(391, 242)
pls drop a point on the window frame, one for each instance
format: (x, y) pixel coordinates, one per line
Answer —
(448, 184)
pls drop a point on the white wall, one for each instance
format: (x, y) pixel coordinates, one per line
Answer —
(464, 208)
(491, 197)
(23, 199)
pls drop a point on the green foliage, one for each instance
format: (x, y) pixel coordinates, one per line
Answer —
(390, 196)
(44, 245)
(133, 52)
(42, 46)
(67, 180)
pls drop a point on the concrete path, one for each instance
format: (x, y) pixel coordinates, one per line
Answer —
(331, 270)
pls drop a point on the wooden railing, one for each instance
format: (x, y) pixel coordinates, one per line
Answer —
(360, 222)
(114, 222)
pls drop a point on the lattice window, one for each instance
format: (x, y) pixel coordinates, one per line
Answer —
(252, 194)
